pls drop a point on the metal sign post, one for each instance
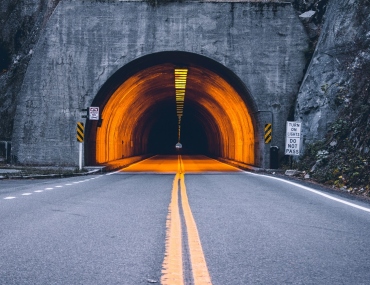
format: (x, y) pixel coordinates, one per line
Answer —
(80, 156)
(80, 138)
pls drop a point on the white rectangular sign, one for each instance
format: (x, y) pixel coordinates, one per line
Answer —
(94, 113)
(293, 138)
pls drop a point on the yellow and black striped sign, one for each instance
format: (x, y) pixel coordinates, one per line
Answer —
(268, 133)
(80, 131)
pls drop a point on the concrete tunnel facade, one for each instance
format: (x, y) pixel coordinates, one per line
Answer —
(244, 61)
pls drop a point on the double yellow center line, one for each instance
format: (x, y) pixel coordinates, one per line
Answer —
(172, 268)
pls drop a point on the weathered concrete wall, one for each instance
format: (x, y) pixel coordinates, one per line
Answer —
(86, 42)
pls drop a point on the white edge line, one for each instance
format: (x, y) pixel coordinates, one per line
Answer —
(110, 173)
(114, 172)
(315, 191)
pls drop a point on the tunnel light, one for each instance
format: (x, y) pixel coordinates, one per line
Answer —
(181, 71)
(180, 86)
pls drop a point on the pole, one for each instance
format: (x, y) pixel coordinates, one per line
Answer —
(80, 138)
(80, 156)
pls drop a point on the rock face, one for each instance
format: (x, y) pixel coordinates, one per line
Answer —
(334, 100)
(21, 22)
(338, 70)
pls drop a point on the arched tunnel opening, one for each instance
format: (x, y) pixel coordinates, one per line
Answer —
(138, 111)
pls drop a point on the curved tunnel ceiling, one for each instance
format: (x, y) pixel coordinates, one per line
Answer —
(139, 117)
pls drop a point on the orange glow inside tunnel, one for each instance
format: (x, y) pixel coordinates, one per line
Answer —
(140, 117)
(170, 164)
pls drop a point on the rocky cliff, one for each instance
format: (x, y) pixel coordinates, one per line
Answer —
(20, 24)
(333, 101)
(333, 76)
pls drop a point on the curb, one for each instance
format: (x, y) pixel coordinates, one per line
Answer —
(45, 176)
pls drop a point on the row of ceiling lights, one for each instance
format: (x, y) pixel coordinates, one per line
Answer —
(180, 87)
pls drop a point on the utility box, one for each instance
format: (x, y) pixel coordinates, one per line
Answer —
(274, 157)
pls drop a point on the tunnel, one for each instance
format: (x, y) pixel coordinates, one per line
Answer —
(139, 111)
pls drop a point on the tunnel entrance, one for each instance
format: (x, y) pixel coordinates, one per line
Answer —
(138, 111)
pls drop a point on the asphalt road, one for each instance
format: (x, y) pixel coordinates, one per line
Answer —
(111, 229)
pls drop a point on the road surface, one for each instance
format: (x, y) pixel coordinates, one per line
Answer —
(180, 220)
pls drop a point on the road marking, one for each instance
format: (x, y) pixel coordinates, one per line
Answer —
(172, 272)
(198, 262)
(316, 192)
(172, 269)
(111, 173)
(48, 188)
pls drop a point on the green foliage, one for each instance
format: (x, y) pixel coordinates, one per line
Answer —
(337, 161)
(324, 87)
